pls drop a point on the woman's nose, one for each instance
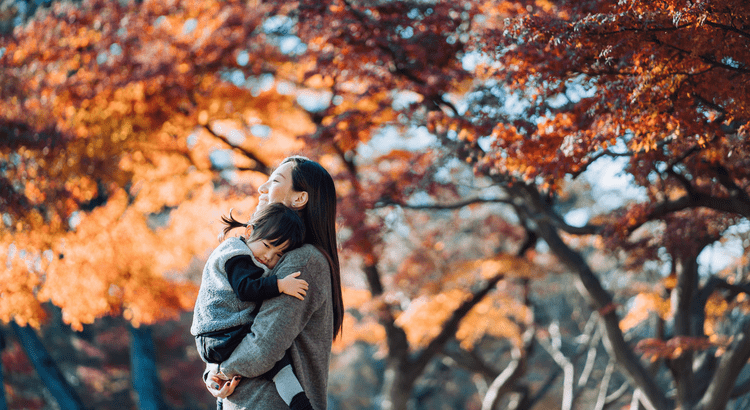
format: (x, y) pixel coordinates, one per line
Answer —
(263, 188)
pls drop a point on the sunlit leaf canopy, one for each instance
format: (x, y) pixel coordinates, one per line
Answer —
(130, 111)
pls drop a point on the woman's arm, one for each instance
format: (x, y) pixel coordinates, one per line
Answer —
(280, 320)
(217, 386)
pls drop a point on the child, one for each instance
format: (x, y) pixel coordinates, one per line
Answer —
(236, 279)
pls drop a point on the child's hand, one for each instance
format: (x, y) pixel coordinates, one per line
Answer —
(293, 286)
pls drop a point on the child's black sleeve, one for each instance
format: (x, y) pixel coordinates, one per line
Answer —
(245, 278)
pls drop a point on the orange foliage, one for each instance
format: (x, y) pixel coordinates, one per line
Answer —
(509, 265)
(424, 318)
(673, 348)
(110, 113)
(352, 330)
(645, 304)
(497, 315)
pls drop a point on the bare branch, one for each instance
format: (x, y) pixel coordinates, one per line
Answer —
(639, 398)
(259, 165)
(590, 358)
(503, 382)
(617, 394)
(589, 285)
(697, 200)
(601, 400)
(731, 363)
(568, 371)
(384, 202)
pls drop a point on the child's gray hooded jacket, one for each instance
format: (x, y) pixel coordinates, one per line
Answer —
(217, 306)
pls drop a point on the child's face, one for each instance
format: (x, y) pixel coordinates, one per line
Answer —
(266, 252)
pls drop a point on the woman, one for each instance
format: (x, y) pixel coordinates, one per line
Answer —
(306, 327)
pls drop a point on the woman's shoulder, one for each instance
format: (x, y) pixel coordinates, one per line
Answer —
(307, 254)
(307, 251)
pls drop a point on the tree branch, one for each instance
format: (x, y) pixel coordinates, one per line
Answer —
(260, 165)
(740, 389)
(601, 400)
(568, 372)
(731, 363)
(697, 199)
(503, 383)
(722, 174)
(451, 325)
(469, 359)
(727, 28)
(601, 300)
(384, 202)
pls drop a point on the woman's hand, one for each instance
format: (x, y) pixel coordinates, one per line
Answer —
(219, 385)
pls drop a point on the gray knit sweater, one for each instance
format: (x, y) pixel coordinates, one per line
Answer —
(217, 306)
(283, 322)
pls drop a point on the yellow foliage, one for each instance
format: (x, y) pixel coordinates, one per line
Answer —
(506, 264)
(355, 298)
(716, 308)
(368, 331)
(425, 316)
(19, 281)
(318, 81)
(497, 315)
(644, 305)
(121, 272)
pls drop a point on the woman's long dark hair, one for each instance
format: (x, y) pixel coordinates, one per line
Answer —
(319, 216)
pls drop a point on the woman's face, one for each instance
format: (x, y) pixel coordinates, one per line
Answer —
(278, 188)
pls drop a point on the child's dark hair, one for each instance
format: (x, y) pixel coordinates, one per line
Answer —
(275, 223)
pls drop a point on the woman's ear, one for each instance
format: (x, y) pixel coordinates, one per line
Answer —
(300, 200)
(248, 231)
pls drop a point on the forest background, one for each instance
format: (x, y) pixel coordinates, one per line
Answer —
(542, 204)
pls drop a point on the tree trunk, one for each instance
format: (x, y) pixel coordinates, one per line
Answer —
(144, 373)
(45, 366)
(396, 387)
(3, 404)
(614, 341)
(683, 297)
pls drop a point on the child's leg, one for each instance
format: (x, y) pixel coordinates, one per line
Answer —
(288, 385)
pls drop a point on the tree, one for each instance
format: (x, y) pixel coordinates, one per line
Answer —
(114, 117)
(126, 103)
(667, 91)
(662, 84)
(122, 136)
(51, 376)
(3, 402)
